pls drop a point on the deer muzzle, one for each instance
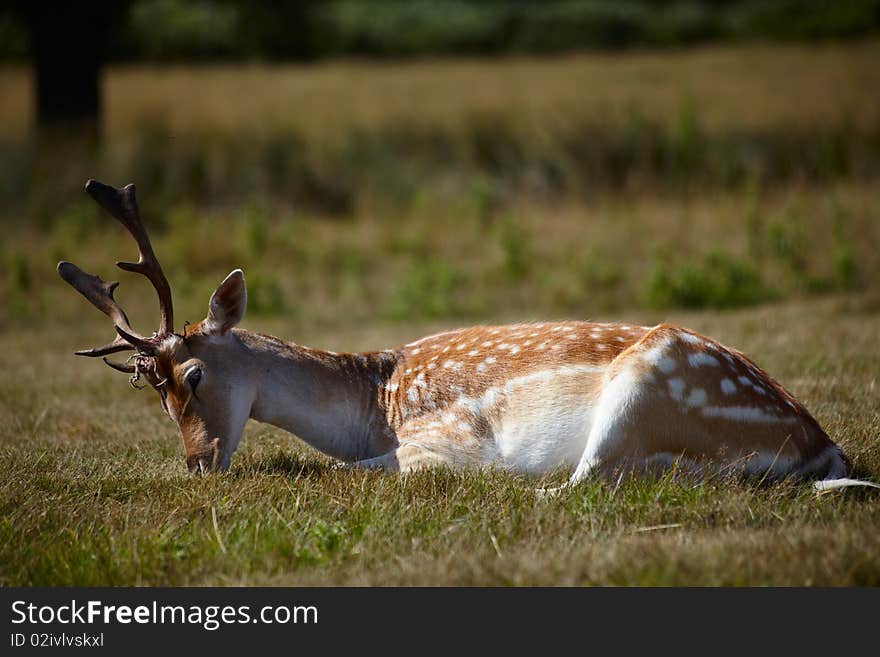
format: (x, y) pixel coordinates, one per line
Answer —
(211, 460)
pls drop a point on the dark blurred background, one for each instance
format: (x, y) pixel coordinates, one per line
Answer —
(403, 160)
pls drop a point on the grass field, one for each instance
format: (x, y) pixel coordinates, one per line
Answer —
(517, 220)
(93, 489)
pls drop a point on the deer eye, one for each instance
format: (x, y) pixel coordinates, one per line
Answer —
(193, 376)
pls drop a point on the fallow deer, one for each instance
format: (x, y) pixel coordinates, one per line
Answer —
(594, 398)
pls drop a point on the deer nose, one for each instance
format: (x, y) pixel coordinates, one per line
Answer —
(206, 461)
(199, 464)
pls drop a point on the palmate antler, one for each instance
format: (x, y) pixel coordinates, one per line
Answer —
(122, 205)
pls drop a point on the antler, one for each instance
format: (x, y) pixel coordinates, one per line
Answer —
(121, 203)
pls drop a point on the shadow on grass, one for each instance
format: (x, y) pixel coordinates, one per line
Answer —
(287, 465)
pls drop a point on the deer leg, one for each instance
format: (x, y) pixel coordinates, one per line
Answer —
(406, 458)
(613, 440)
(672, 396)
(429, 442)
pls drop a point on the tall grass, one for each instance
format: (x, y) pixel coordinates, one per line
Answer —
(490, 158)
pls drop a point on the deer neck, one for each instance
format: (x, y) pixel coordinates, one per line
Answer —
(329, 400)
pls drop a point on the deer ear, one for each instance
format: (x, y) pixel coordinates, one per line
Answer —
(227, 304)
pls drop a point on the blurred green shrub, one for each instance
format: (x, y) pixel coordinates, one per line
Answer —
(431, 288)
(285, 29)
(18, 295)
(195, 29)
(846, 267)
(598, 272)
(809, 262)
(75, 223)
(265, 295)
(718, 280)
(515, 244)
(255, 230)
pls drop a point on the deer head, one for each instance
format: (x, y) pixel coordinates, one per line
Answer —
(197, 373)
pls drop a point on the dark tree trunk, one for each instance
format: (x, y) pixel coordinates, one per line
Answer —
(68, 41)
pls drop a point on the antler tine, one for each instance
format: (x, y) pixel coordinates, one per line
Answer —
(100, 294)
(120, 367)
(122, 204)
(118, 344)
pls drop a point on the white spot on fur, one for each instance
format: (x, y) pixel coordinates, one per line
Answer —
(676, 388)
(741, 414)
(744, 380)
(514, 350)
(490, 359)
(666, 364)
(699, 358)
(416, 352)
(697, 398)
(420, 380)
(690, 337)
(481, 367)
(473, 352)
(728, 387)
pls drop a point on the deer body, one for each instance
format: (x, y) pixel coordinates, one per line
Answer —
(534, 398)
(531, 398)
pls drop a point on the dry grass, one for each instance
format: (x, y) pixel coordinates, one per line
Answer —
(93, 489)
(793, 86)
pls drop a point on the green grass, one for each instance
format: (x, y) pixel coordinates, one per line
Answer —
(713, 250)
(93, 489)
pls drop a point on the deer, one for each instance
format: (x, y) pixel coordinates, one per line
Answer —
(591, 398)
